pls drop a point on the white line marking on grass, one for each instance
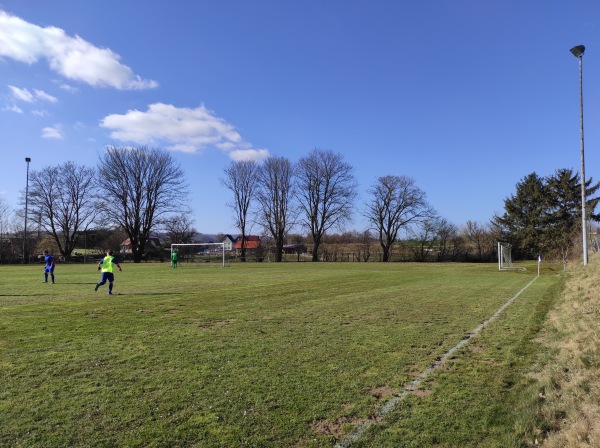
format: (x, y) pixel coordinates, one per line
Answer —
(392, 402)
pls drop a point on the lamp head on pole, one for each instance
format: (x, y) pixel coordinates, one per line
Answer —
(578, 50)
(27, 159)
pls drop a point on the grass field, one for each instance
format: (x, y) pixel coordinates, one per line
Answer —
(267, 355)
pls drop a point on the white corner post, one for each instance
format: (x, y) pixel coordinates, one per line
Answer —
(499, 256)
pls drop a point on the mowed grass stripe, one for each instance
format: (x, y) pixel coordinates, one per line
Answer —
(485, 395)
(253, 354)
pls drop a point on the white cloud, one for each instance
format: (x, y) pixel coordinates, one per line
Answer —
(72, 57)
(40, 94)
(21, 94)
(13, 108)
(249, 154)
(68, 88)
(52, 133)
(180, 129)
(25, 95)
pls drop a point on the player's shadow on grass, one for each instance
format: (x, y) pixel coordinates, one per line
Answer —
(24, 295)
(74, 283)
(149, 294)
(100, 291)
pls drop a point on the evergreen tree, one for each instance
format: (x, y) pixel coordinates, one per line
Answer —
(564, 223)
(525, 216)
(544, 215)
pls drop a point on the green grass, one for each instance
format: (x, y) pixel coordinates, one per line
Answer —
(264, 354)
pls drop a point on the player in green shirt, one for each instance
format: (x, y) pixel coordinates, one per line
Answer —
(174, 258)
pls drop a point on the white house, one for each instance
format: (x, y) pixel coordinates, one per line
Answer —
(228, 242)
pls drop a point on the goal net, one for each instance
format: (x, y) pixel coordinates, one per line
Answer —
(202, 253)
(505, 257)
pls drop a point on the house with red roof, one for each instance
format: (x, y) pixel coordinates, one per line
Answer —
(251, 244)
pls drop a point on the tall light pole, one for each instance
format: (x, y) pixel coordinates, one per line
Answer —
(27, 160)
(578, 53)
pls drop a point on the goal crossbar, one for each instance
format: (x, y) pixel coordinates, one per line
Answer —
(222, 245)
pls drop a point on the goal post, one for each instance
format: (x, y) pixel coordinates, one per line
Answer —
(505, 258)
(202, 250)
(504, 255)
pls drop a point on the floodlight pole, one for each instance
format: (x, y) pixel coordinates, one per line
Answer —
(27, 160)
(578, 53)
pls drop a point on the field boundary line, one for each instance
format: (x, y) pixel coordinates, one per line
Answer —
(389, 405)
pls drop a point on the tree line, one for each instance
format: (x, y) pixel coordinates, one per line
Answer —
(318, 193)
(133, 190)
(139, 191)
(544, 215)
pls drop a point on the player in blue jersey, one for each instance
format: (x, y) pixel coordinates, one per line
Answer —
(49, 267)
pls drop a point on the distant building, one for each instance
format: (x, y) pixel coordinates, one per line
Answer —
(294, 249)
(153, 244)
(228, 243)
(251, 244)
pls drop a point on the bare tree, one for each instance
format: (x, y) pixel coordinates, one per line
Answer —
(425, 236)
(5, 214)
(475, 234)
(361, 244)
(179, 229)
(241, 179)
(275, 195)
(62, 202)
(326, 190)
(447, 232)
(140, 187)
(396, 202)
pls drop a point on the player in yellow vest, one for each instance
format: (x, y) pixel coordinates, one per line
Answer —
(106, 265)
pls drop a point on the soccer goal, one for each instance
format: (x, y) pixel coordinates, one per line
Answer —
(505, 257)
(202, 252)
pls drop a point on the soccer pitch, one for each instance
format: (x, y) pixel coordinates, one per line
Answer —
(266, 354)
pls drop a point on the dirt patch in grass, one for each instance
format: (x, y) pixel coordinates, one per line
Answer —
(474, 348)
(336, 428)
(383, 392)
(422, 392)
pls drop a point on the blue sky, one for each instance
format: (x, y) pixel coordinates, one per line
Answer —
(467, 97)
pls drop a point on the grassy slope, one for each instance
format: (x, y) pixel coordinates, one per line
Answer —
(568, 377)
(265, 355)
